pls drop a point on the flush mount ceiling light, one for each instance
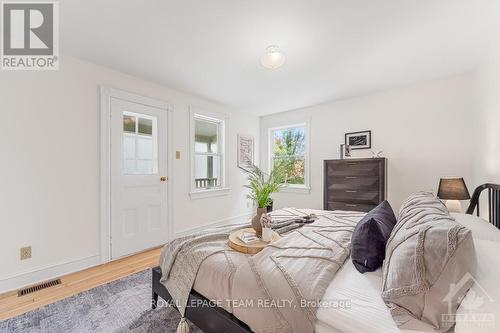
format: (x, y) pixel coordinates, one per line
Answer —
(273, 58)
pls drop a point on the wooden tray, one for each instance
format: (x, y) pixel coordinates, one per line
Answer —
(238, 245)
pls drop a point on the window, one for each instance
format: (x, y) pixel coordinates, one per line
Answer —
(140, 145)
(208, 153)
(289, 151)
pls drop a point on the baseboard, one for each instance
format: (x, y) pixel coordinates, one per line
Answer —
(44, 273)
(230, 220)
(48, 272)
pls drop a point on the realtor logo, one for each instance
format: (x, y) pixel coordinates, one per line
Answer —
(30, 35)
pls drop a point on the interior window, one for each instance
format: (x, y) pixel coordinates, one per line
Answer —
(208, 158)
(288, 152)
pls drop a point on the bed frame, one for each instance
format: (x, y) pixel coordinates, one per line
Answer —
(208, 318)
(493, 202)
(217, 320)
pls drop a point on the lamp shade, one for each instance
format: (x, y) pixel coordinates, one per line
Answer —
(453, 189)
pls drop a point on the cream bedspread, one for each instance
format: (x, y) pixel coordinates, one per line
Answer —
(277, 290)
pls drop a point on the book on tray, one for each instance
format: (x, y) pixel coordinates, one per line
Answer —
(249, 237)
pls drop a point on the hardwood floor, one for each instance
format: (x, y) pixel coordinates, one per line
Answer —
(11, 305)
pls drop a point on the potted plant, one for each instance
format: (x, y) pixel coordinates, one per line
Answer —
(261, 187)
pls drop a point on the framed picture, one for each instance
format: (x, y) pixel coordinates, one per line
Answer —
(359, 140)
(345, 151)
(245, 151)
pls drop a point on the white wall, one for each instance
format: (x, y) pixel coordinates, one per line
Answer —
(487, 166)
(50, 167)
(424, 130)
(487, 122)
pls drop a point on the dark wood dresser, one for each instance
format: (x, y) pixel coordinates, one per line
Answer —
(354, 184)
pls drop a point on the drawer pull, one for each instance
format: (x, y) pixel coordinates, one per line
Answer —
(351, 205)
(351, 177)
(351, 191)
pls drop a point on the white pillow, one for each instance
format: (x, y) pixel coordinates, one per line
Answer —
(479, 311)
(481, 229)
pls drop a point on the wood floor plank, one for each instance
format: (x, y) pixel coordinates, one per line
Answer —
(11, 305)
(86, 279)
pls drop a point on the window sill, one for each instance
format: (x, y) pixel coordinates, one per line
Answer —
(217, 192)
(296, 189)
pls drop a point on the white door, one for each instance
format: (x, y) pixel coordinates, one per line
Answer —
(138, 177)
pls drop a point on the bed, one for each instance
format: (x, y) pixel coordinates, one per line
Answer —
(368, 313)
(363, 309)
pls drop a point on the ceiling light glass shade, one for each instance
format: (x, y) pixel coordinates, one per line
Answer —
(273, 58)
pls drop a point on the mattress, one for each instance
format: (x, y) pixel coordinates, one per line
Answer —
(352, 303)
(480, 310)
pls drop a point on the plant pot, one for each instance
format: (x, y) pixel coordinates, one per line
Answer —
(256, 221)
(270, 207)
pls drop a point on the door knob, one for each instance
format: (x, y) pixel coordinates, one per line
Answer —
(163, 178)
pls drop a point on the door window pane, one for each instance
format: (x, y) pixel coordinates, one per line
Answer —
(144, 148)
(128, 124)
(129, 167)
(128, 146)
(140, 144)
(144, 167)
(145, 126)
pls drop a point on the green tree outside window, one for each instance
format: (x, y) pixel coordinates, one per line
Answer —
(289, 154)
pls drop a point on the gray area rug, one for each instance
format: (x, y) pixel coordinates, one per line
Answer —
(120, 306)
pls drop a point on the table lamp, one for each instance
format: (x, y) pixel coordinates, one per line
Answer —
(453, 189)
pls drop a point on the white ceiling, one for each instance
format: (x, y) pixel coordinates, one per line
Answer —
(334, 48)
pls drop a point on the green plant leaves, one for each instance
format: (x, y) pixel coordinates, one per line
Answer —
(262, 185)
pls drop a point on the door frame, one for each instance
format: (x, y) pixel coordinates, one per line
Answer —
(106, 93)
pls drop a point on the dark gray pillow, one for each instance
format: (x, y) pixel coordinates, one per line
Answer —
(370, 237)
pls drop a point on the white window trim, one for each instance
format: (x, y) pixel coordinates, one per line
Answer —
(292, 188)
(224, 189)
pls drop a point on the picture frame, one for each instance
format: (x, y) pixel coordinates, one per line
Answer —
(345, 151)
(359, 140)
(246, 151)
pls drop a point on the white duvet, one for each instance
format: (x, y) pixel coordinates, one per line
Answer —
(368, 312)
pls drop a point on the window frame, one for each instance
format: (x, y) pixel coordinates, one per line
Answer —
(298, 188)
(222, 120)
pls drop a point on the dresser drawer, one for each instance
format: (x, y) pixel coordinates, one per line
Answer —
(353, 182)
(355, 196)
(354, 168)
(335, 205)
